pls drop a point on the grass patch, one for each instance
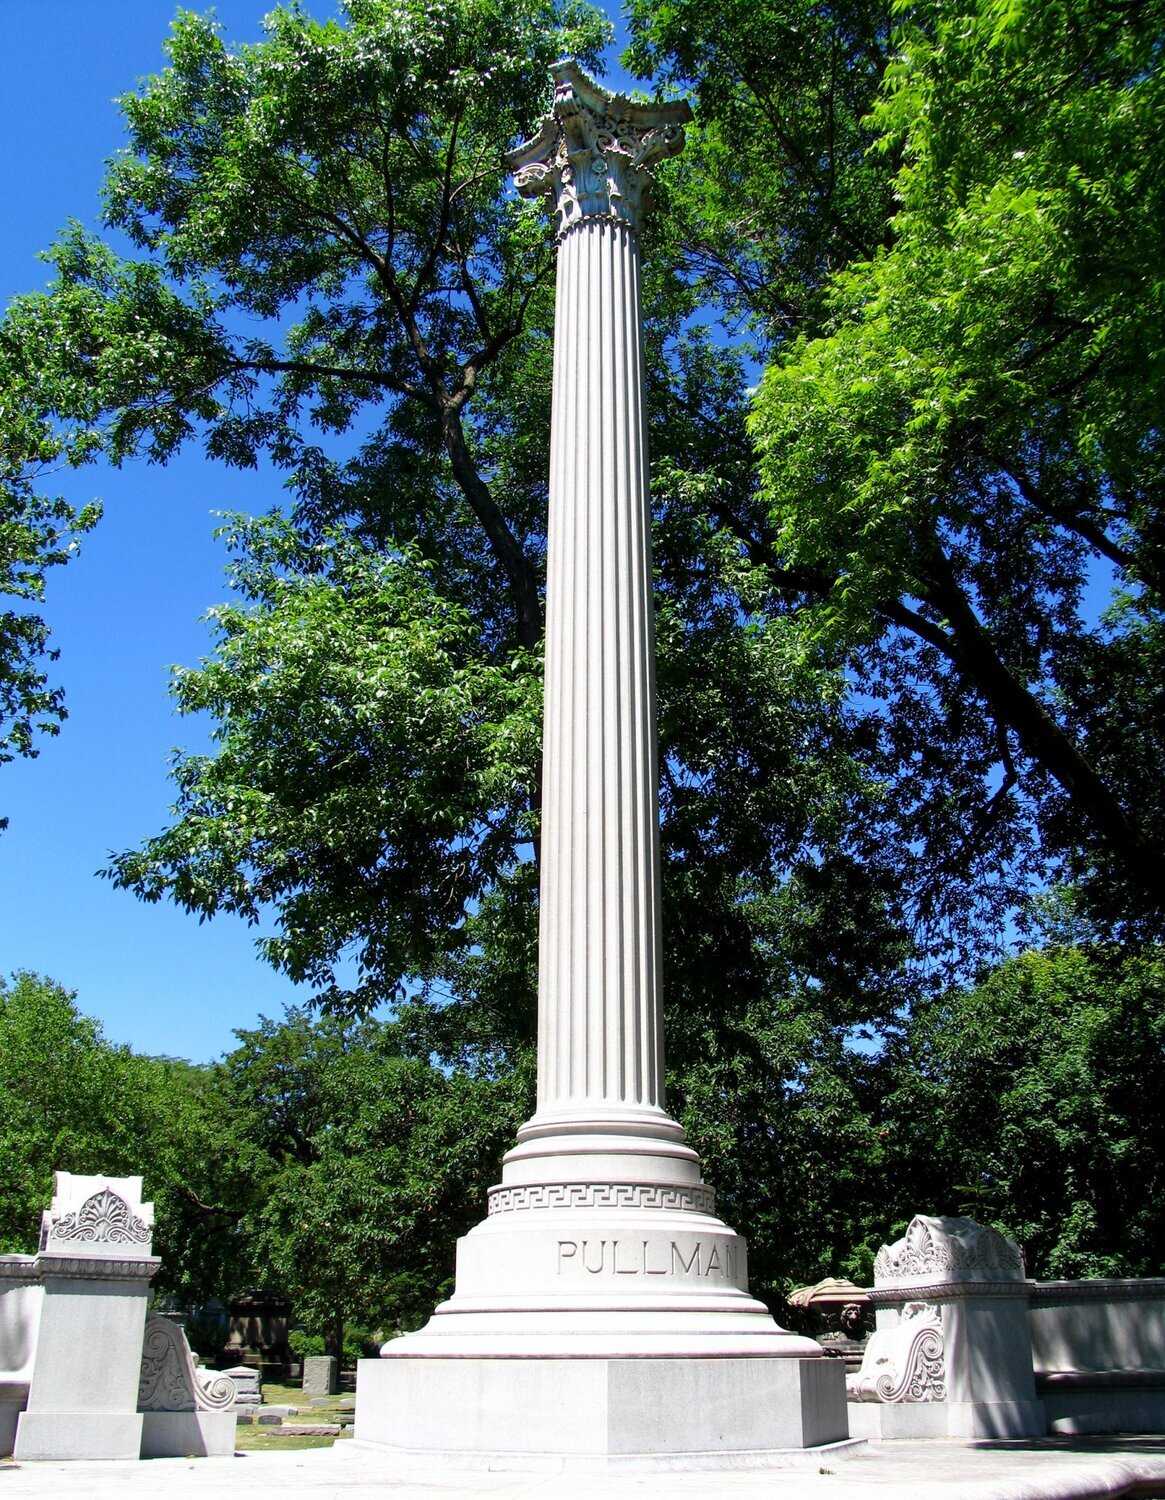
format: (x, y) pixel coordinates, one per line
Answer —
(268, 1440)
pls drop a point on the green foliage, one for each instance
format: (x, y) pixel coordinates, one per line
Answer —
(888, 711)
(979, 418)
(373, 1163)
(71, 1101)
(372, 770)
(36, 533)
(1035, 1100)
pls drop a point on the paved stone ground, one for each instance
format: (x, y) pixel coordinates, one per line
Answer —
(1067, 1470)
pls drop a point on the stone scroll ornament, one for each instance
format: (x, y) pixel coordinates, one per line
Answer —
(594, 152)
(170, 1380)
(105, 1218)
(906, 1362)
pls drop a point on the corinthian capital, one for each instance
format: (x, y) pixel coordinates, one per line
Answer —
(594, 152)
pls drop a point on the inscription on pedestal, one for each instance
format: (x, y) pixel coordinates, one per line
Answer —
(614, 1257)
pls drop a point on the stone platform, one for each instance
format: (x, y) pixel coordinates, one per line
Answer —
(1050, 1470)
(601, 1415)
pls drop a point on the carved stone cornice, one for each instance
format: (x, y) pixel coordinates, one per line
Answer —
(594, 152)
(97, 1267)
(946, 1291)
(18, 1268)
(1099, 1289)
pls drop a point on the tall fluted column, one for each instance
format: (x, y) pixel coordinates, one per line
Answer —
(601, 1241)
(600, 1045)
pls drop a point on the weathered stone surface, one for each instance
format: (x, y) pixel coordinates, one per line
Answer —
(321, 1375)
(95, 1266)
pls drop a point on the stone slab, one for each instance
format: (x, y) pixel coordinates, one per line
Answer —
(310, 1429)
(897, 1420)
(188, 1434)
(1067, 1470)
(512, 1410)
(73, 1435)
(1082, 1411)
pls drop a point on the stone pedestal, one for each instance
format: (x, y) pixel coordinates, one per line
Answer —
(952, 1353)
(601, 1260)
(95, 1267)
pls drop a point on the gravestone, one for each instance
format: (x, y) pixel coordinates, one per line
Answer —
(321, 1375)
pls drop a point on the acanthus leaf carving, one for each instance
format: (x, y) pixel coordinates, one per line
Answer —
(105, 1218)
(949, 1249)
(594, 153)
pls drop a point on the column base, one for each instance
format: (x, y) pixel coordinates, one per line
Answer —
(78, 1434)
(603, 1413)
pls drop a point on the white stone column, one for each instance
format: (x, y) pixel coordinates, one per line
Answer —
(600, 1042)
(601, 1308)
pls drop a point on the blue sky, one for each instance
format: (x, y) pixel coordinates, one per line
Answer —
(127, 609)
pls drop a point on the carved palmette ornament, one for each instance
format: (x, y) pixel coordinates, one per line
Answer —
(170, 1380)
(594, 152)
(105, 1218)
(938, 1248)
(905, 1363)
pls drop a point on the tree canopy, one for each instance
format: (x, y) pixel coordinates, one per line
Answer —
(903, 306)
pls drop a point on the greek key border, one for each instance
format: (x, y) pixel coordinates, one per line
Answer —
(697, 1198)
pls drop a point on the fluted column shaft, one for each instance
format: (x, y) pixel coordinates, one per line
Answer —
(599, 1015)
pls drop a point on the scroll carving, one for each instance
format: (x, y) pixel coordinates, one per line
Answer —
(170, 1380)
(906, 1362)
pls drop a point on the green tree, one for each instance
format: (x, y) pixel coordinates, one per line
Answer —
(37, 532)
(71, 1101)
(959, 426)
(331, 271)
(375, 1162)
(1035, 1100)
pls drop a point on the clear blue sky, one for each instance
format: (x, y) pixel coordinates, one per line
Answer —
(128, 608)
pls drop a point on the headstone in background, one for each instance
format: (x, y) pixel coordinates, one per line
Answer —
(320, 1375)
(248, 1384)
